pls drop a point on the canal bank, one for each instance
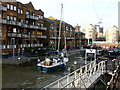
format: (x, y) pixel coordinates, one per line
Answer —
(17, 60)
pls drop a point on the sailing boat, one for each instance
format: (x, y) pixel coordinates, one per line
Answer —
(56, 60)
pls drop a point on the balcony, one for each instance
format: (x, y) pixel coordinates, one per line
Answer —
(32, 17)
(55, 37)
(11, 35)
(33, 26)
(25, 36)
(33, 36)
(26, 45)
(4, 21)
(42, 36)
(43, 28)
(32, 45)
(25, 25)
(20, 45)
(19, 23)
(11, 46)
(3, 46)
(19, 35)
(3, 8)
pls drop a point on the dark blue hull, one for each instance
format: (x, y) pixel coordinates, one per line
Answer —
(49, 69)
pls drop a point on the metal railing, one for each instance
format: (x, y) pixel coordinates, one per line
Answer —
(83, 77)
(112, 85)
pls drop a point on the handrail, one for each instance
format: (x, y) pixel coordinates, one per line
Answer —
(78, 75)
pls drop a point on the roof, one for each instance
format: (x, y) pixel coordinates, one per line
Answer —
(51, 21)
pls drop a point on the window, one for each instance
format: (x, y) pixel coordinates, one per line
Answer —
(27, 13)
(14, 18)
(66, 28)
(18, 10)
(11, 18)
(70, 29)
(21, 11)
(38, 24)
(52, 27)
(41, 25)
(14, 8)
(33, 14)
(11, 7)
(26, 22)
(8, 18)
(8, 6)
(33, 23)
(41, 17)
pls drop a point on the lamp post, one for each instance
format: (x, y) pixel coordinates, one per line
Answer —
(13, 42)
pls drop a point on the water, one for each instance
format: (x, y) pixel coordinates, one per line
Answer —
(30, 77)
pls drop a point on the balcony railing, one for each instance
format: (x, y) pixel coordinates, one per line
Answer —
(33, 26)
(3, 8)
(11, 22)
(11, 35)
(32, 17)
(4, 21)
(42, 36)
(43, 28)
(33, 36)
(11, 46)
(25, 35)
(55, 37)
(20, 45)
(25, 25)
(3, 46)
(19, 23)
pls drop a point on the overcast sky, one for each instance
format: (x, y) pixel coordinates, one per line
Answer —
(81, 12)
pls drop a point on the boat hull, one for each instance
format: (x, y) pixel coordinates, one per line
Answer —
(49, 69)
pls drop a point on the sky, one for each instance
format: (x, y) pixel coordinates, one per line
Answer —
(81, 12)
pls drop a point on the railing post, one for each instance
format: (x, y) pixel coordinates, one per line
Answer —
(68, 81)
(113, 65)
(58, 85)
(75, 79)
(106, 66)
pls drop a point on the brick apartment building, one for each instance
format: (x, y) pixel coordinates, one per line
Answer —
(67, 32)
(22, 27)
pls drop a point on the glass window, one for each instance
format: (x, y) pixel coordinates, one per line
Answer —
(33, 14)
(21, 11)
(14, 18)
(8, 17)
(11, 18)
(11, 7)
(27, 13)
(8, 6)
(14, 8)
(41, 25)
(18, 10)
(26, 22)
(41, 17)
(33, 23)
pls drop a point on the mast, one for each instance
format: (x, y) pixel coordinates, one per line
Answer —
(60, 27)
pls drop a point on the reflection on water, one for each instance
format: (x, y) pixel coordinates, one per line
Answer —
(30, 77)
